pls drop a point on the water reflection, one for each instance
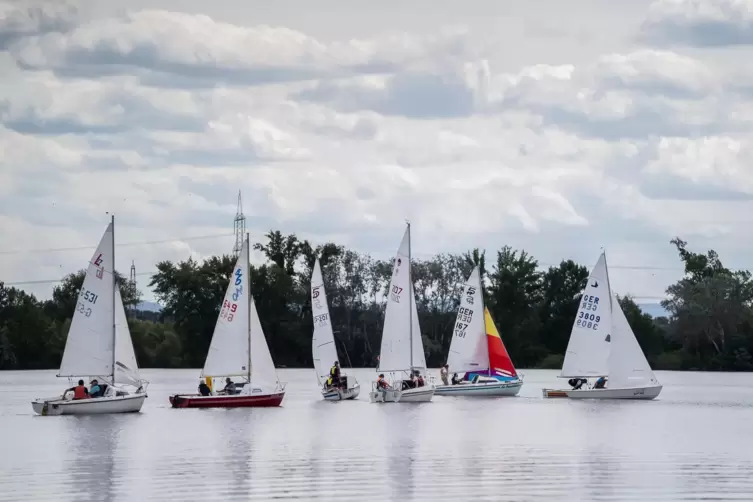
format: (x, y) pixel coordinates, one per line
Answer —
(519, 449)
(92, 441)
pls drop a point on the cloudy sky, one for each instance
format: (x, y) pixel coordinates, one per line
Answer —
(557, 127)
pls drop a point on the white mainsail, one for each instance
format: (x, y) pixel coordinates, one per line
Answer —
(126, 368)
(589, 345)
(263, 372)
(91, 341)
(229, 349)
(323, 343)
(469, 349)
(400, 314)
(628, 367)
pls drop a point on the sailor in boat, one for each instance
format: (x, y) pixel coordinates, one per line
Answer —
(444, 371)
(381, 384)
(600, 383)
(79, 391)
(204, 389)
(334, 375)
(577, 383)
(418, 378)
(411, 382)
(229, 387)
(96, 390)
(455, 379)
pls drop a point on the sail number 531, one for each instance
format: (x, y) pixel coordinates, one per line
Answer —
(88, 296)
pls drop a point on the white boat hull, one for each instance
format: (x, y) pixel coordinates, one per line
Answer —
(342, 394)
(489, 389)
(417, 395)
(131, 403)
(645, 393)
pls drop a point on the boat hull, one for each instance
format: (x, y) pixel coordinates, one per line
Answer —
(131, 403)
(417, 395)
(488, 389)
(235, 401)
(342, 394)
(642, 393)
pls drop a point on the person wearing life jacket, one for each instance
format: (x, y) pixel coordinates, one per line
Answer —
(204, 389)
(444, 372)
(381, 383)
(334, 375)
(95, 390)
(600, 383)
(419, 379)
(79, 391)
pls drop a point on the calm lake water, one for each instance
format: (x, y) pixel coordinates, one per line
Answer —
(695, 442)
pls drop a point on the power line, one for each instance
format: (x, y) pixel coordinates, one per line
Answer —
(124, 244)
(54, 281)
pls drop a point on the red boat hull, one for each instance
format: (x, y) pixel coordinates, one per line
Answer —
(237, 401)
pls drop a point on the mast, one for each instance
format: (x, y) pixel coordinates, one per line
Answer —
(410, 303)
(248, 310)
(483, 313)
(609, 286)
(114, 286)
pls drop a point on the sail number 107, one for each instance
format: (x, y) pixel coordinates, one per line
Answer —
(395, 293)
(228, 310)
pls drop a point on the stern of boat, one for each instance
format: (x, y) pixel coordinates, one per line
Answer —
(551, 393)
(47, 406)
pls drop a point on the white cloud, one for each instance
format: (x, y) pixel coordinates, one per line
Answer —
(701, 23)
(161, 117)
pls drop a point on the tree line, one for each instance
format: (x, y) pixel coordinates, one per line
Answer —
(709, 326)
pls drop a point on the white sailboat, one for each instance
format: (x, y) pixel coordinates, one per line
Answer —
(99, 344)
(402, 350)
(323, 346)
(477, 350)
(602, 344)
(238, 349)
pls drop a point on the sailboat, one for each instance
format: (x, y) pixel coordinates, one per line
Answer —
(402, 350)
(477, 350)
(602, 344)
(99, 344)
(238, 349)
(323, 346)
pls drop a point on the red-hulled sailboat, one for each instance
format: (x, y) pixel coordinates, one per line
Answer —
(238, 350)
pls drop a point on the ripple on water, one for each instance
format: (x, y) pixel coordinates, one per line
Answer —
(692, 444)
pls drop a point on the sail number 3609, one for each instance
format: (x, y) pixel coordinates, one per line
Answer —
(228, 311)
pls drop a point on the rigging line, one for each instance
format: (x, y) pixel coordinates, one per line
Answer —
(124, 244)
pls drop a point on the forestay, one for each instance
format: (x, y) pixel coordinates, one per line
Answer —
(469, 350)
(126, 368)
(263, 372)
(401, 312)
(588, 347)
(628, 367)
(323, 344)
(229, 349)
(90, 343)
